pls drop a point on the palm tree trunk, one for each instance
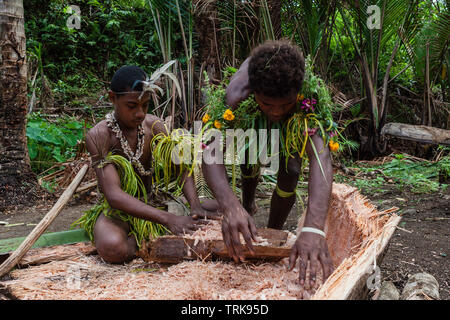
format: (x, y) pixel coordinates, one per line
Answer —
(15, 171)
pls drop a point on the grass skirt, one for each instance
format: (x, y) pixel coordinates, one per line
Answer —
(131, 183)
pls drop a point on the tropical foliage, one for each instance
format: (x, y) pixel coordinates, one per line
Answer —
(73, 64)
(395, 70)
(402, 172)
(53, 142)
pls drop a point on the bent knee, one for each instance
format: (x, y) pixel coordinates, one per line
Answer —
(113, 249)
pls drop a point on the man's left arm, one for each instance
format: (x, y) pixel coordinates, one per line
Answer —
(311, 246)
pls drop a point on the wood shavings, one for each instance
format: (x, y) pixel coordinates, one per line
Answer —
(353, 226)
(186, 280)
(213, 231)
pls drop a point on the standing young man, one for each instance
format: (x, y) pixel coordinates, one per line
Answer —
(274, 74)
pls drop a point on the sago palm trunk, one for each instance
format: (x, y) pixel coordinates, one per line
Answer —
(16, 176)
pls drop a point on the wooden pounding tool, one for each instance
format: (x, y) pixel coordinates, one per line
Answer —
(174, 249)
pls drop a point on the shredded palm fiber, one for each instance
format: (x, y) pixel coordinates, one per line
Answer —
(353, 225)
(88, 277)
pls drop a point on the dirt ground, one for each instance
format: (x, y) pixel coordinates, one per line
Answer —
(420, 244)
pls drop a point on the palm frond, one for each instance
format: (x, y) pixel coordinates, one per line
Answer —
(439, 42)
(437, 34)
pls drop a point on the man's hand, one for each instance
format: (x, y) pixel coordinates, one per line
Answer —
(313, 248)
(179, 225)
(235, 221)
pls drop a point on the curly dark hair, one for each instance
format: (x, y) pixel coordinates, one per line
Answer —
(276, 68)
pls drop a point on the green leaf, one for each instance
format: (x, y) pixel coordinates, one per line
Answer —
(74, 125)
(32, 149)
(33, 132)
(112, 23)
(57, 154)
(70, 139)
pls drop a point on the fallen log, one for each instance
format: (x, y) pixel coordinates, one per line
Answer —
(423, 134)
(43, 224)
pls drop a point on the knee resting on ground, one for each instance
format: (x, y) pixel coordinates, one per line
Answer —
(114, 249)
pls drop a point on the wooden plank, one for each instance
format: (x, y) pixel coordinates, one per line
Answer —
(46, 240)
(56, 253)
(267, 253)
(423, 134)
(272, 250)
(274, 237)
(174, 249)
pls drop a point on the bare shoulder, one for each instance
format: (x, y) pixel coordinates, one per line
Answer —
(154, 124)
(98, 140)
(100, 130)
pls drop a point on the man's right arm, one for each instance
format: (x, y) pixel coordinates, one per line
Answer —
(236, 219)
(238, 89)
